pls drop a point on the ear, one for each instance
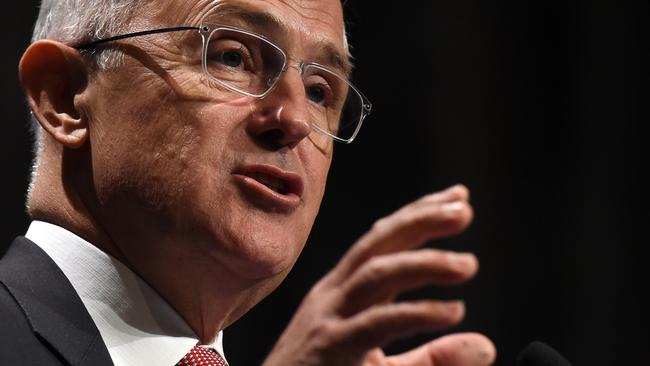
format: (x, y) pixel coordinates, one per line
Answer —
(52, 75)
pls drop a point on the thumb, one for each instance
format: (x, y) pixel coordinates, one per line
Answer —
(462, 349)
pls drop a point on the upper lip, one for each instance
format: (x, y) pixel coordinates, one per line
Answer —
(290, 182)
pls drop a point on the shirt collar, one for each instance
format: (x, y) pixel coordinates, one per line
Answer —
(137, 325)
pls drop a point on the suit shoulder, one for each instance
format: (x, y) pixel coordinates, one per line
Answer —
(15, 327)
(18, 343)
(12, 317)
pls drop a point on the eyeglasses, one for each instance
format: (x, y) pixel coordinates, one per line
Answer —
(250, 64)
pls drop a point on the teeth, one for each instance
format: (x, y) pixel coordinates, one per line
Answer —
(270, 181)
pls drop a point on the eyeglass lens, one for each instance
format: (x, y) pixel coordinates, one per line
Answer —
(250, 64)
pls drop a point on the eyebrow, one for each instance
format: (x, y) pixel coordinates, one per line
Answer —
(270, 22)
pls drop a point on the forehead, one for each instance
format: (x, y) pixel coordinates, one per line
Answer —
(307, 24)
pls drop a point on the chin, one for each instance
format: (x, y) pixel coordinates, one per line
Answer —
(265, 262)
(258, 255)
(262, 271)
(250, 242)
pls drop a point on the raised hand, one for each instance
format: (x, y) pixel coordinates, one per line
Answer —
(351, 313)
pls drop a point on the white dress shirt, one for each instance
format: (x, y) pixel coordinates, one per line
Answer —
(138, 327)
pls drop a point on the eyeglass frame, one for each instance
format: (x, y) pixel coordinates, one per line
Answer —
(366, 106)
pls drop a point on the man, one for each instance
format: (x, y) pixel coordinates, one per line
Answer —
(181, 162)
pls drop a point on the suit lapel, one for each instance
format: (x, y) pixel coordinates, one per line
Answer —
(51, 305)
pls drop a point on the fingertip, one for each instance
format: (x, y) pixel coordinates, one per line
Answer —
(486, 350)
(456, 311)
(459, 214)
(463, 349)
(465, 264)
(459, 191)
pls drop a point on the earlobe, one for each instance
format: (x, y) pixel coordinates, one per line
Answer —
(53, 75)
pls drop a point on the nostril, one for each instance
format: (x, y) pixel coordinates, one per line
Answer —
(273, 138)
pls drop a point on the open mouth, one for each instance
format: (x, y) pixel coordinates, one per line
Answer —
(276, 184)
(271, 186)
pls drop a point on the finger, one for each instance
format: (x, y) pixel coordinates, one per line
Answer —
(375, 357)
(408, 228)
(462, 349)
(382, 324)
(457, 192)
(382, 278)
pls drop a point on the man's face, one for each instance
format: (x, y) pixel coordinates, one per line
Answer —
(188, 175)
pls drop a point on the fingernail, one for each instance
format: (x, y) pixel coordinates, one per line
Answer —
(453, 207)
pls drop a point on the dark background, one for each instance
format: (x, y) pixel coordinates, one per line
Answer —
(537, 106)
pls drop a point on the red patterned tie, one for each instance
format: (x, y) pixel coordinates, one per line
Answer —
(202, 356)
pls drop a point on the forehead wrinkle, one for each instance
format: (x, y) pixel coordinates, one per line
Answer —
(332, 53)
(177, 13)
(251, 16)
(223, 11)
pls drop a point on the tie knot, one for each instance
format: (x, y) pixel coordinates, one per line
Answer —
(202, 356)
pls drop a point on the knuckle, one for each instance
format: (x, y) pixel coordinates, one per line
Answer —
(367, 334)
(435, 313)
(380, 225)
(431, 255)
(317, 290)
(324, 298)
(324, 335)
(419, 218)
(448, 259)
(375, 270)
(325, 330)
(432, 197)
(390, 223)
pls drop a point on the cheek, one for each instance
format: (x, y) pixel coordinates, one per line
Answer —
(317, 165)
(147, 145)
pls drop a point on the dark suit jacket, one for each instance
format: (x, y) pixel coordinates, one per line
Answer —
(42, 319)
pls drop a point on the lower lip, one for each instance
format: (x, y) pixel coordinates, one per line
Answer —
(266, 197)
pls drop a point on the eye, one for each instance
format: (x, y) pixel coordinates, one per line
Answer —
(231, 54)
(232, 59)
(316, 93)
(324, 89)
(318, 90)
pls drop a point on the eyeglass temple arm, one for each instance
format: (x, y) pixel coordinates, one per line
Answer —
(85, 46)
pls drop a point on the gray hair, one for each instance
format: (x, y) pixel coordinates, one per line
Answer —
(77, 21)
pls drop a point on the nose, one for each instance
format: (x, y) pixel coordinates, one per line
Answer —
(281, 119)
